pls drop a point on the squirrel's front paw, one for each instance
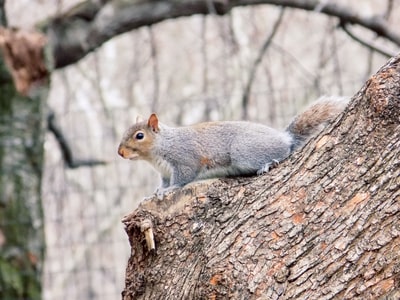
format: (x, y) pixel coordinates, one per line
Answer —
(162, 192)
(268, 166)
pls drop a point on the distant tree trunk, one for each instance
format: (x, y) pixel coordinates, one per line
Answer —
(325, 224)
(21, 164)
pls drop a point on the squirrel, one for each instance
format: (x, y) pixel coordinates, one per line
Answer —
(224, 148)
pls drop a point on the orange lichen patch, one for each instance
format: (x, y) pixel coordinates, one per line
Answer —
(253, 234)
(380, 103)
(323, 245)
(215, 279)
(322, 141)
(275, 268)
(283, 199)
(24, 57)
(202, 198)
(359, 161)
(261, 289)
(357, 199)
(241, 192)
(187, 234)
(298, 218)
(274, 235)
(301, 194)
(238, 240)
(384, 286)
(320, 204)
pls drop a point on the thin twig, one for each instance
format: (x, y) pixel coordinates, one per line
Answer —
(336, 63)
(256, 63)
(369, 45)
(389, 10)
(156, 78)
(204, 55)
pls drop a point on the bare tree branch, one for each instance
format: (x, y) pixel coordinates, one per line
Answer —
(65, 148)
(91, 23)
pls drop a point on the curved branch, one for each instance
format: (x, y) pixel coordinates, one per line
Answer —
(65, 148)
(380, 50)
(91, 23)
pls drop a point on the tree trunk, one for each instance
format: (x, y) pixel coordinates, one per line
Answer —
(21, 163)
(322, 225)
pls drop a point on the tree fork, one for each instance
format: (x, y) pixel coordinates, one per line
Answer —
(323, 225)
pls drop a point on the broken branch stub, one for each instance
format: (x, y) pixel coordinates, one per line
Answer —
(23, 53)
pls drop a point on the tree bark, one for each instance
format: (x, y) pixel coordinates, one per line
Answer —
(21, 164)
(322, 225)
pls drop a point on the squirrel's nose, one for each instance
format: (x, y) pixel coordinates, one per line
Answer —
(121, 151)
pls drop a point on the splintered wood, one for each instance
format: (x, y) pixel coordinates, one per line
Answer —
(24, 56)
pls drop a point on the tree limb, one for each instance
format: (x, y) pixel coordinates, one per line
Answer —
(91, 23)
(66, 151)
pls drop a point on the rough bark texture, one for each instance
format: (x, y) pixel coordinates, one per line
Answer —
(323, 225)
(91, 23)
(21, 161)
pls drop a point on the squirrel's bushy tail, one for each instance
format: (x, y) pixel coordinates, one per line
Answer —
(314, 118)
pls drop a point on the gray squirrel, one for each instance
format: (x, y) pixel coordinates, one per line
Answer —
(225, 148)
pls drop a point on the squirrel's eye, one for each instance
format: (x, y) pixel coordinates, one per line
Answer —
(139, 135)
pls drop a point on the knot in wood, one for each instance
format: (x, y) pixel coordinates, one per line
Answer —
(282, 274)
(383, 92)
(145, 225)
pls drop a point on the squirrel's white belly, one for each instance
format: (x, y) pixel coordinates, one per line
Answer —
(162, 166)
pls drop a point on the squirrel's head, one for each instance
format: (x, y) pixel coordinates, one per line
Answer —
(139, 139)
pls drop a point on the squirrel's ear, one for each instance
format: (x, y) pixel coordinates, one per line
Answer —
(153, 123)
(139, 119)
